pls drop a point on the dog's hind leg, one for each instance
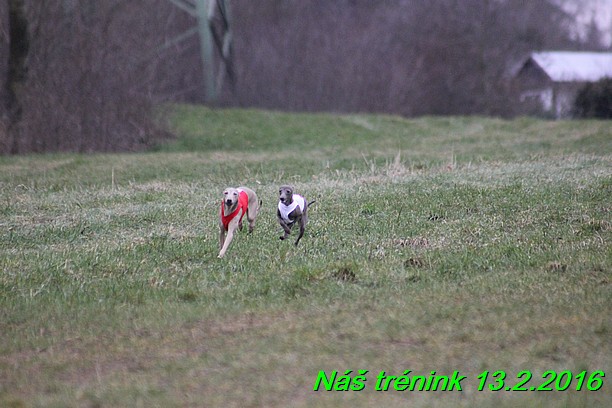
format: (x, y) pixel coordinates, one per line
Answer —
(253, 208)
(302, 228)
(251, 216)
(303, 220)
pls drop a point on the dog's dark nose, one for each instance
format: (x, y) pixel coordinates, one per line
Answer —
(228, 202)
(282, 199)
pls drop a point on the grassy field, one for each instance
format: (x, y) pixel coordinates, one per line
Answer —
(436, 244)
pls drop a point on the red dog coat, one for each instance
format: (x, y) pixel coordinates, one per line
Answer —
(243, 204)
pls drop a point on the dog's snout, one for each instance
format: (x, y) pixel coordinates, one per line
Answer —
(228, 201)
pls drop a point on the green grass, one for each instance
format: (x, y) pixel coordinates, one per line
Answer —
(436, 244)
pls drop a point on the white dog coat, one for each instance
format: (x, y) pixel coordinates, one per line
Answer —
(285, 210)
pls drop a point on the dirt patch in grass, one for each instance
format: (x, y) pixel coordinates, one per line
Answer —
(78, 363)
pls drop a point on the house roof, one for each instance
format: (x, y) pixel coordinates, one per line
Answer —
(568, 66)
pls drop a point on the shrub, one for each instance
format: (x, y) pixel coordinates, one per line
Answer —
(594, 100)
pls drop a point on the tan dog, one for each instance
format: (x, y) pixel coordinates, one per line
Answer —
(236, 203)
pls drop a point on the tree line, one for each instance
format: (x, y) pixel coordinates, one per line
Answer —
(88, 75)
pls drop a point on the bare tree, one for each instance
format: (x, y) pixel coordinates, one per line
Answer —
(215, 34)
(90, 78)
(95, 70)
(399, 56)
(15, 41)
(4, 47)
(468, 46)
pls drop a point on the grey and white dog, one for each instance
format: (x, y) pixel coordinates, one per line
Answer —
(235, 204)
(292, 209)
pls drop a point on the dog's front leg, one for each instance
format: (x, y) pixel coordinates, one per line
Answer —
(231, 228)
(221, 236)
(285, 228)
(228, 240)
